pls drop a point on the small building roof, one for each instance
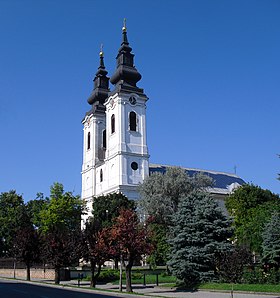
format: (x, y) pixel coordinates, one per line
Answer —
(223, 183)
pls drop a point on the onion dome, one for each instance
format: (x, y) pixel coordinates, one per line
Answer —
(126, 74)
(101, 83)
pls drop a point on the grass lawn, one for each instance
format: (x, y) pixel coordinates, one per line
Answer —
(241, 287)
(170, 281)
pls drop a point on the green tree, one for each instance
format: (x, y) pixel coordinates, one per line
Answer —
(200, 231)
(158, 234)
(18, 237)
(60, 225)
(12, 216)
(251, 207)
(271, 242)
(160, 195)
(106, 208)
(62, 211)
(34, 208)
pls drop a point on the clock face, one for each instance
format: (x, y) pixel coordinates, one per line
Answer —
(132, 100)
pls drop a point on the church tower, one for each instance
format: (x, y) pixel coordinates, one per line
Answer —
(94, 133)
(115, 153)
(127, 154)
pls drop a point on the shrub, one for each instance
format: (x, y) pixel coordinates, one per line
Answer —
(253, 276)
(230, 264)
(137, 275)
(164, 274)
(260, 276)
(109, 275)
(273, 276)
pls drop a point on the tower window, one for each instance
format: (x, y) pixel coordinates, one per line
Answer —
(88, 141)
(104, 139)
(132, 121)
(101, 175)
(113, 123)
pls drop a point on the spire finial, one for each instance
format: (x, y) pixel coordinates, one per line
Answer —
(124, 25)
(124, 39)
(101, 50)
(101, 55)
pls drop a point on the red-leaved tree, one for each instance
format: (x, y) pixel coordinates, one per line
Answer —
(61, 249)
(97, 247)
(130, 240)
(26, 246)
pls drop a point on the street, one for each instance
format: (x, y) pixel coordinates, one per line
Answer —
(15, 289)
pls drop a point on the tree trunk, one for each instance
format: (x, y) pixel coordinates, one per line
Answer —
(128, 275)
(27, 271)
(116, 264)
(94, 277)
(57, 275)
(92, 280)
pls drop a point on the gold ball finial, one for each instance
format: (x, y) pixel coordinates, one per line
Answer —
(124, 25)
(101, 50)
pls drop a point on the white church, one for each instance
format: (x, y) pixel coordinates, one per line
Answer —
(115, 152)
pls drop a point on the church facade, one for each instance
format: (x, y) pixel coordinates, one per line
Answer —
(115, 152)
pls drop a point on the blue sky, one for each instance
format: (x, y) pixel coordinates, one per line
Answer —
(211, 70)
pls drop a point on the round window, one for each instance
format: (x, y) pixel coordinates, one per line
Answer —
(134, 166)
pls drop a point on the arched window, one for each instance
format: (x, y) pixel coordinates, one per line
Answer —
(101, 175)
(132, 121)
(113, 123)
(104, 139)
(88, 140)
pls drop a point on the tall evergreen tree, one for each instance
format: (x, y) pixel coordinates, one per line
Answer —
(160, 195)
(271, 242)
(200, 231)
